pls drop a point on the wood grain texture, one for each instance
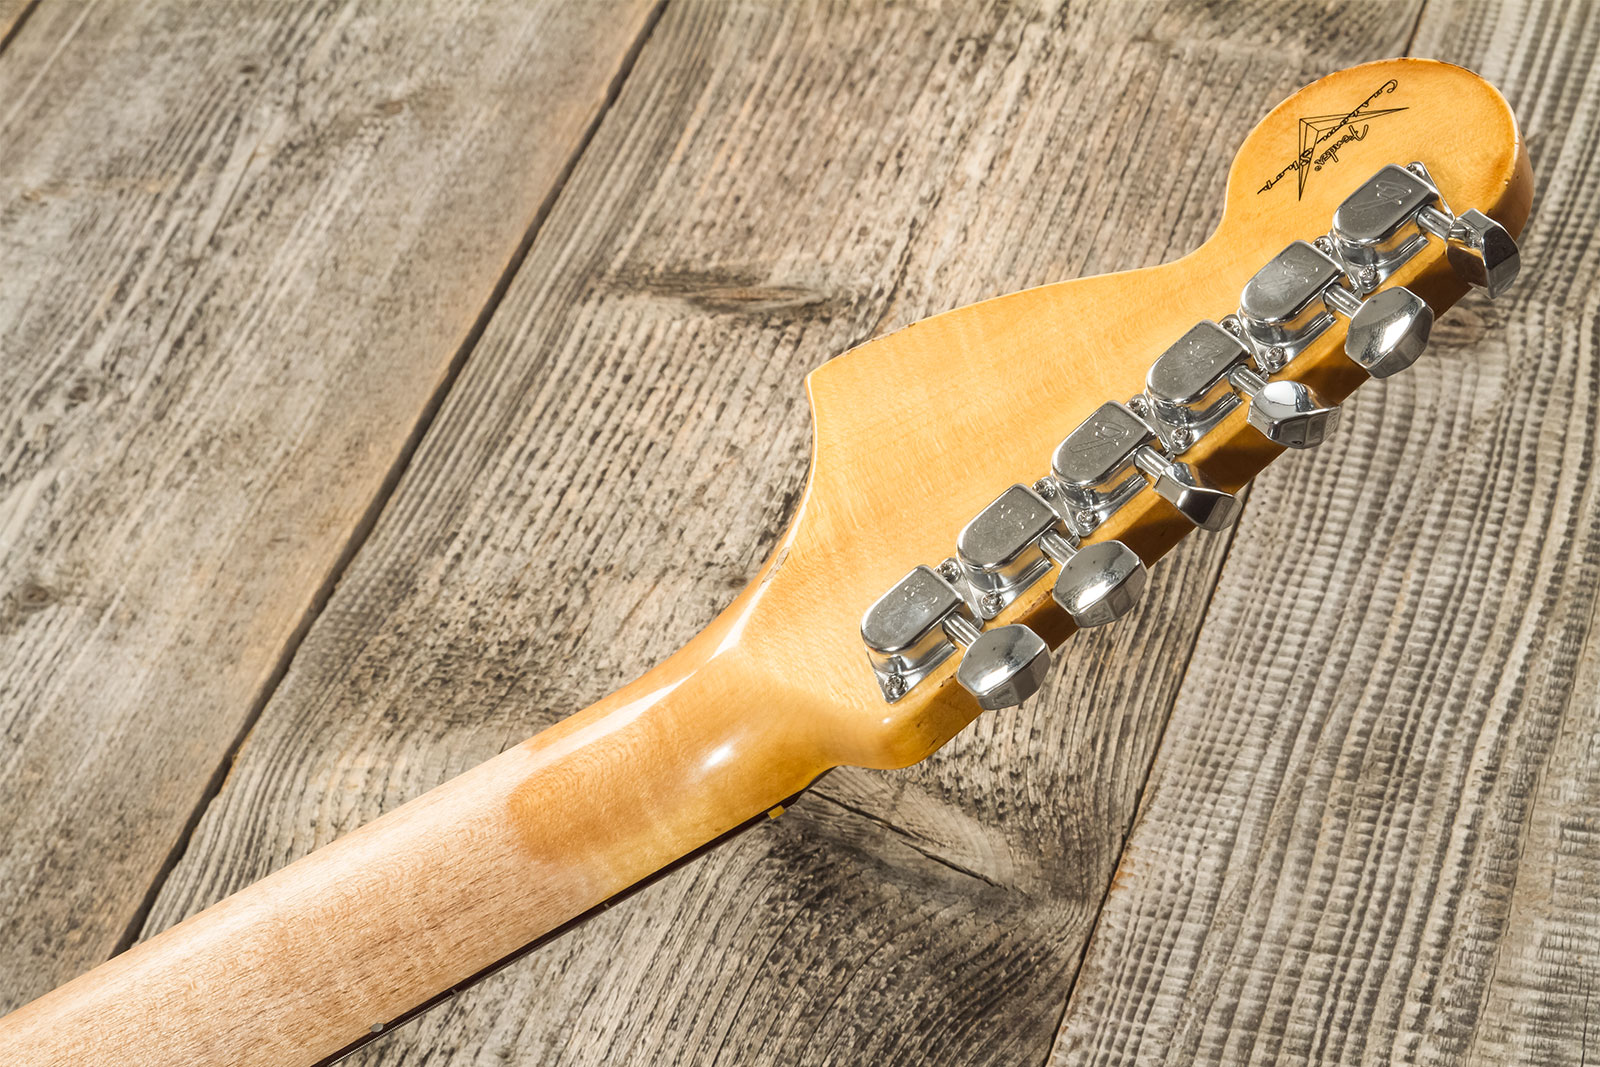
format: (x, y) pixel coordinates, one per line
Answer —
(764, 194)
(298, 966)
(1370, 832)
(243, 245)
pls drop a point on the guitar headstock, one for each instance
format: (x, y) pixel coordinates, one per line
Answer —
(988, 480)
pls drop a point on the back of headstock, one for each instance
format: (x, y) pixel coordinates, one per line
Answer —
(1061, 439)
(1026, 440)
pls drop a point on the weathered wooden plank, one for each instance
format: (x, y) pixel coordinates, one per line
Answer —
(1370, 833)
(242, 245)
(774, 184)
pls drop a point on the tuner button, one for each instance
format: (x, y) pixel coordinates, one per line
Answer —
(1004, 666)
(1204, 505)
(1189, 491)
(1482, 252)
(1100, 583)
(1292, 414)
(1389, 331)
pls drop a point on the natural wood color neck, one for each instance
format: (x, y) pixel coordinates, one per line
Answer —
(301, 964)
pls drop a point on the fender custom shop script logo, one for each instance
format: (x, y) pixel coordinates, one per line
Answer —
(1322, 136)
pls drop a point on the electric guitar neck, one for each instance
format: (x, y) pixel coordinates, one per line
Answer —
(983, 484)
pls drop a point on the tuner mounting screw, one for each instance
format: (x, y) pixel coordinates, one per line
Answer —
(1181, 438)
(950, 570)
(1086, 519)
(1418, 169)
(1231, 324)
(894, 687)
(1324, 246)
(1369, 277)
(1138, 406)
(1045, 488)
(992, 603)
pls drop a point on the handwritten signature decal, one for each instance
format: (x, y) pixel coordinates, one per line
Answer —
(1321, 137)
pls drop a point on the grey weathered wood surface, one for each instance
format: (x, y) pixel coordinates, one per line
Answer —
(242, 248)
(1372, 833)
(1369, 831)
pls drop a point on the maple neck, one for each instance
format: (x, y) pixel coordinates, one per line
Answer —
(358, 934)
(791, 679)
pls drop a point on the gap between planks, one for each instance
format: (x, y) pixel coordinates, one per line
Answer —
(369, 518)
(376, 506)
(1183, 677)
(1149, 769)
(1411, 38)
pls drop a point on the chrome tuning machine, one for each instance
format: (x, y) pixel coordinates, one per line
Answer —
(1207, 373)
(1011, 544)
(1390, 218)
(1103, 463)
(1482, 252)
(919, 624)
(1293, 299)
(931, 614)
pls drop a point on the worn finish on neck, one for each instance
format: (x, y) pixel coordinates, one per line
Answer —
(778, 688)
